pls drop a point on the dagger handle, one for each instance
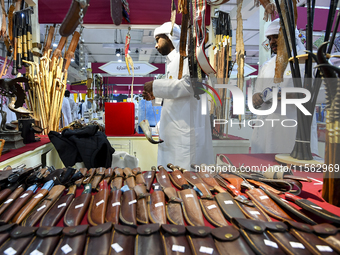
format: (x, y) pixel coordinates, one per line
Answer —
(291, 197)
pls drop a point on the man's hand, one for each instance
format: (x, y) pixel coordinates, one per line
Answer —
(257, 100)
(147, 92)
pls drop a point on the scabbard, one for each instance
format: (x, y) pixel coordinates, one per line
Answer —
(287, 207)
(71, 20)
(98, 177)
(80, 181)
(253, 212)
(208, 179)
(98, 240)
(57, 211)
(329, 234)
(267, 204)
(192, 177)
(43, 206)
(108, 174)
(229, 206)
(149, 240)
(149, 177)
(17, 205)
(209, 206)
(45, 241)
(163, 178)
(142, 208)
(27, 208)
(178, 179)
(139, 176)
(259, 184)
(97, 209)
(174, 240)
(89, 175)
(118, 179)
(232, 179)
(20, 237)
(228, 241)
(5, 232)
(113, 207)
(129, 177)
(173, 208)
(156, 207)
(278, 231)
(10, 199)
(305, 234)
(73, 241)
(201, 241)
(77, 209)
(191, 208)
(254, 232)
(128, 208)
(123, 240)
(6, 192)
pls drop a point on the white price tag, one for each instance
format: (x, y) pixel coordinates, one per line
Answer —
(178, 248)
(207, 175)
(62, 205)
(116, 247)
(179, 177)
(24, 195)
(36, 252)
(264, 197)
(132, 202)
(316, 207)
(194, 177)
(149, 176)
(115, 204)
(39, 195)
(100, 202)
(324, 248)
(40, 208)
(254, 212)
(10, 251)
(66, 248)
(211, 207)
(189, 195)
(159, 204)
(297, 245)
(270, 243)
(228, 202)
(232, 186)
(163, 176)
(8, 201)
(78, 206)
(206, 250)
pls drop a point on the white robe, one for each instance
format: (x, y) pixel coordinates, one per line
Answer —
(277, 139)
(66, 110)
(74, 108)
(185, 131)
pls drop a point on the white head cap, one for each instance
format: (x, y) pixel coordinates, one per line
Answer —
(166, 29)
(273, 28)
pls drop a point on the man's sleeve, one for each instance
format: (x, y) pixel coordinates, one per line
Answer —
(172, 88)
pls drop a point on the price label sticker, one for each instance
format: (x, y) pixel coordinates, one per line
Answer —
(163, 176)
(8, 201)
(149, 176)
(178, 248)
(189, 195)
(132, 202)
(194, 177)
(324, 248)
(62, 205)
(228, 202)
(116, 247)
(100, 202)
(115, 204)
(297, 245)
(207, 175)
(66, 249)
(264, 197)
(10, 251)
(206, 250)
(24, 195)
(270, 243)
(36, 252)
(78, 206)
(40, 208)
(255, 212)
(39, 195)
(159, 204)
(179, 177)
(232, 186)
(211, 207)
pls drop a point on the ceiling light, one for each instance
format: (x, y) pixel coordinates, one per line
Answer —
(139, 91)
(129, 51)
(117, 52)
(115, 91)
(72, 60)
(119, 60)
